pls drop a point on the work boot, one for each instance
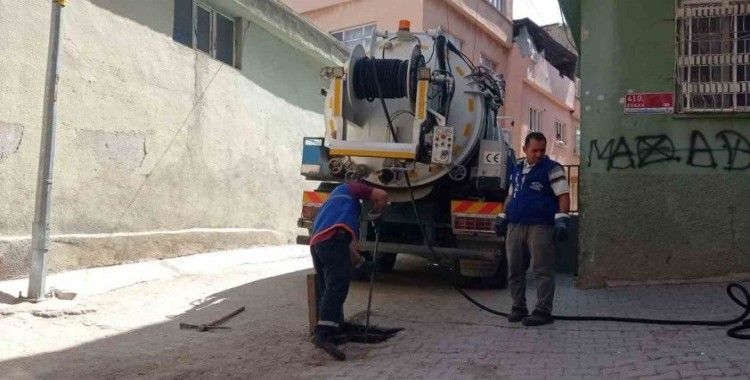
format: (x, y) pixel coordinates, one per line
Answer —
(326, 344)
(517, 314)
(538, 318)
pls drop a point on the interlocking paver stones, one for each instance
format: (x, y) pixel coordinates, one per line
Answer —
(460, 341)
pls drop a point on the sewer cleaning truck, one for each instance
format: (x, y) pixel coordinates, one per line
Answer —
(416, 117)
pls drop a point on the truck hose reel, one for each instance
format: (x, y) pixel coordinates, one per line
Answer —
(397, 78)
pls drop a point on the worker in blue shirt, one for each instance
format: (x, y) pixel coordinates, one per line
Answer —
(334, 251)
(535, 216)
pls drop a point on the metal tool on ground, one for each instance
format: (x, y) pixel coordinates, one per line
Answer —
(214, 324)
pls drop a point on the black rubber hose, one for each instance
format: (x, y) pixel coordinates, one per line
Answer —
(379, 94)
(734, 332)
(391, 84)
(440, 42)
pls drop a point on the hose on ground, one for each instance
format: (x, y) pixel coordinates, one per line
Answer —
(734, 332)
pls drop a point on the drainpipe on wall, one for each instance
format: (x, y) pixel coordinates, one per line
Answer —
(40, 230)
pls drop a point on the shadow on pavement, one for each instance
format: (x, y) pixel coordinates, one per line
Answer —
(8, 299)
(270, 338)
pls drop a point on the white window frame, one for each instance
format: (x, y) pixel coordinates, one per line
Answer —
(364, 40)
(723, 91)
(535, 119)
(561, 130)
(212, 32)
(498, 4)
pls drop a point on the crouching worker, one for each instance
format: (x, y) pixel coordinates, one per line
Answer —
(334, 251)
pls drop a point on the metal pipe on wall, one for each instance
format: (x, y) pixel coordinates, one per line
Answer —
(40, 230)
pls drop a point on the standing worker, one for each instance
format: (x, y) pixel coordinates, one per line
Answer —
(535, 216)
(334, 250)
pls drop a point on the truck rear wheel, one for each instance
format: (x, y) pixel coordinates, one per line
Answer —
(386, 261)
(499, 280)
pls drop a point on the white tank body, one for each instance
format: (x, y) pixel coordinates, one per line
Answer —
(365, 120)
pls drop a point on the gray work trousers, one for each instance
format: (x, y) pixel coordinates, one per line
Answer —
(538, 240)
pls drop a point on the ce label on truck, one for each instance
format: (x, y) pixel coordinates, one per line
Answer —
(493, 158)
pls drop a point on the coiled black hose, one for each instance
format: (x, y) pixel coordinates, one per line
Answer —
(390, 75)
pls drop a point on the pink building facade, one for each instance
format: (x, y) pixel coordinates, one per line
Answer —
(541, 97)
(538, 97)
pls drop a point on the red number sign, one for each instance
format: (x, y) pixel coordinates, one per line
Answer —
(654, 102)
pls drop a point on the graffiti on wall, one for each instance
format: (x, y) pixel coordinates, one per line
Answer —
(727, 150)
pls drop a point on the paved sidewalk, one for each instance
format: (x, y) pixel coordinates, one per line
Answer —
(129, 330)
(458, 341)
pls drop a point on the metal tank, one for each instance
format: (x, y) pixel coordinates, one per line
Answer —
(456, 134)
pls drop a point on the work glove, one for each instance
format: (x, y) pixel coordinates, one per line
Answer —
(501, 225)
(367, 267)
(562, 225)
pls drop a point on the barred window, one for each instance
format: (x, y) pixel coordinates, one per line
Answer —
(713, 55)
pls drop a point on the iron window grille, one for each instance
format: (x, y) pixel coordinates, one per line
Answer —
(713, 56)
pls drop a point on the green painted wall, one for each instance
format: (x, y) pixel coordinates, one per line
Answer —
(571, 10)
(663, 196)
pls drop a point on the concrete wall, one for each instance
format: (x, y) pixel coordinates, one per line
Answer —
(161, 150)
(663, 196)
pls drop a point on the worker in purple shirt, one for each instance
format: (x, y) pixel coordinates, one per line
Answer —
(535, 216)
(334, 251)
